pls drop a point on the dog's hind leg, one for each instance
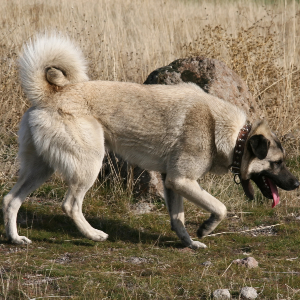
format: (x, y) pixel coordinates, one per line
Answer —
(33, 173)
(86, 166)
(72, 206)
(191, 190)
(174, 203)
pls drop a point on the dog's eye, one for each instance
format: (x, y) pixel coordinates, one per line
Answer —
(277, 163)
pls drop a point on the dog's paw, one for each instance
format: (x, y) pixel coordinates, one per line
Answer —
(99, 236)
(197, 245)
(21, 240)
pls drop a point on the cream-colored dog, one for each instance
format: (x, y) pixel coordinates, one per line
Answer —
(178, 130)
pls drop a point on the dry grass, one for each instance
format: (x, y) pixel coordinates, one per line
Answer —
(125, 41)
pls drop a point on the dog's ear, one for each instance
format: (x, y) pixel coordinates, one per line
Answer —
(259, 145)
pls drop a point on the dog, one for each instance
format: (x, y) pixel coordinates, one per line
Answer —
(178, 130)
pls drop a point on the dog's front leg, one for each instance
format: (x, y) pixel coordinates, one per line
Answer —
(174, 204)
(191, 190)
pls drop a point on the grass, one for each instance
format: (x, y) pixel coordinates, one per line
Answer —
(143, 259)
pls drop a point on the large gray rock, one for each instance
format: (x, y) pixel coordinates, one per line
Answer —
(213, 76)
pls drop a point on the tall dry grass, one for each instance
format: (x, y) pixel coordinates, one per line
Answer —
(125, 40)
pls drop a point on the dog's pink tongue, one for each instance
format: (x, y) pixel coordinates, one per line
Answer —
(274, 191)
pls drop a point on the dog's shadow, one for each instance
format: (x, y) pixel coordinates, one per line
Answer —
(53, 226)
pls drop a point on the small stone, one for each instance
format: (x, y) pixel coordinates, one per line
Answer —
(221, 294)
(248, 293)
(142, 208)
(64, 259)
(248, 262)
(137, 260)
(207, 263)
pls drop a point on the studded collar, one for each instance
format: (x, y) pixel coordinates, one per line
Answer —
(239, 150)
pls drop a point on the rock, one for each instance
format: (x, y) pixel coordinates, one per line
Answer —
(138, 260)
(207, 263)
(221, 294)
(248, 262)
(213, 76)
(248, 293)
(142, 208)
(64, 259)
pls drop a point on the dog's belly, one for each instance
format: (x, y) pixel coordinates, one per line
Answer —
(147, 162)
(148, 158)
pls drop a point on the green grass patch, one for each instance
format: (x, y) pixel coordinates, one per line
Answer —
(142, 258)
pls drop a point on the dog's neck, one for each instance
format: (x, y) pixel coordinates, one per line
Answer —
(239, 149)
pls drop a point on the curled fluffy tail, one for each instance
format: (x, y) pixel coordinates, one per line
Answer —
(47, 61)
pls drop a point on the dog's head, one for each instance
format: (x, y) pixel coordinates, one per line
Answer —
(263, 162)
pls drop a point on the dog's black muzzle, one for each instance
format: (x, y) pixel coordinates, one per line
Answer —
(284, 180)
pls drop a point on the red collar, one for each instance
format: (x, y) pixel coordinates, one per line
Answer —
(239, 150)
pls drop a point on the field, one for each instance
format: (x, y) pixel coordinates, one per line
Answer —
(143, 259)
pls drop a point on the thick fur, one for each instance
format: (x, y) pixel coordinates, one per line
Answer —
(179, 131)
